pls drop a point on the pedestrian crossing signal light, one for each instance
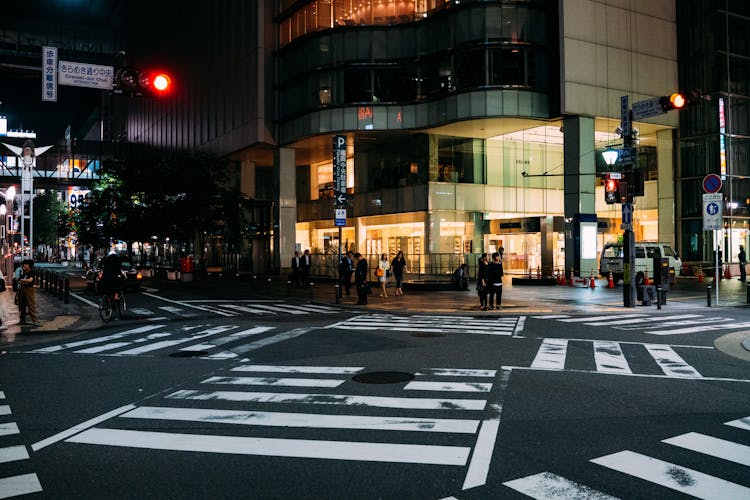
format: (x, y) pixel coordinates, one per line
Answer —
(674, 101)
(611, 191)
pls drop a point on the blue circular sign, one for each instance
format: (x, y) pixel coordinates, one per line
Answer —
(712, 183)
(712, 208)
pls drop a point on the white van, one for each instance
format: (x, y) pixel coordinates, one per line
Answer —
(612, 256)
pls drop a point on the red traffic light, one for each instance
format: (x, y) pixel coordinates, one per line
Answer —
(611, 191)
(143, 82)
(161, 82)
(674, 101)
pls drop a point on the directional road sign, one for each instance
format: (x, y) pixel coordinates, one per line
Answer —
(647, 108)
(712, 211)
(341, 200)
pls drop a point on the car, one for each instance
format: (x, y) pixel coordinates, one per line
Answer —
(132, 277)
(612, 259)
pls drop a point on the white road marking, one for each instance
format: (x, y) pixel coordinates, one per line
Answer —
(609, 357)
(346, 370)
(715, 447)
(551, 354)
(651, 319)
(643, 375)
(178, 311)
(141, 311)
(332, 399)
(601, 317)
(456, 372)
(273, 381)
(80, 427)
(102, 348)
(547, 485)
(5, 410)
(519, 326)
(311, 420)
(185, 304)
(98, 340)
(279, 337)
(8, 428)
(670, 362)
(169, 343)
(19, 485)
(448, 386)
(229, 338)
(704, 327)
(13, 453)
(678, 478)
(741, 423)
(295, 448)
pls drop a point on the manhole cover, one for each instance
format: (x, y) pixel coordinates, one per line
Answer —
(188, 354)
(383, 377)
(427, 334)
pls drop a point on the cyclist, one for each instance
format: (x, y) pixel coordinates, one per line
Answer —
(110, 276)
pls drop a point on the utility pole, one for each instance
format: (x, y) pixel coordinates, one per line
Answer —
(629, 155)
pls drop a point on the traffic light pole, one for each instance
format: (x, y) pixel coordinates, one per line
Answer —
(628, 239)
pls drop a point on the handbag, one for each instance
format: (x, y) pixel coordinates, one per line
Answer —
(379, 272)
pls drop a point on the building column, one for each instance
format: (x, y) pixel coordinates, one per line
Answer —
(580, 185)
(286, 235)
(665, 186)
(247, 175)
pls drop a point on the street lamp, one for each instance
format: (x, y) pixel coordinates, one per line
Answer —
(610, 156)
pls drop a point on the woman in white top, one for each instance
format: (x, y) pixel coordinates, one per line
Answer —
(382, 273)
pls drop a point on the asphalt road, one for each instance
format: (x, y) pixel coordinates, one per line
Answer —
(196, 395)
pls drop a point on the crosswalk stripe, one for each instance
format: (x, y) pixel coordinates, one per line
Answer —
(176, 310)
(258, 344)
(141, 311)
(98, 340)
(600, 318)
(102, 348)
(678, 478)
(670, 362)
(4, 410)
(294, 448)
(2, 395)
(206, 346)
(311, 420)
(651, 319)
(277, 382)
(169, 343)
(740, 423)
(13, 453)
(19, 485)
(546, 485)
(8, 428)
(609, 357)
(332, 399)
(345, 370)
(551, 354)
(715, 447)
(193, 306)
(456, 372)
(703, 327)
(448, 386)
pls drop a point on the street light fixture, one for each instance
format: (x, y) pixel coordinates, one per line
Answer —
(610, 156)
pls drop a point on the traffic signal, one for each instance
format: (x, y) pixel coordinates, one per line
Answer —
(611, 191)
(674, 101)
(137, 82)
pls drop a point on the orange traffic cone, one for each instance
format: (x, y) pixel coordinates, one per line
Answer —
(727, 273)
(700, 274)
(646, 281)
(592, 280)
(610, 281)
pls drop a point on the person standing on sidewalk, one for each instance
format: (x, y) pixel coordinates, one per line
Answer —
(347, 268)
(296, 269)
(306, 265)
(26, 293)
(360, 275)
(743, 262)
(382, 272)
(483, 276)
(398, 266)
(495, 281)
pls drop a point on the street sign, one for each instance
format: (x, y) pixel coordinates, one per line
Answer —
(627, 216)
(86, 75)
(339, 170)
(712, 183)
(647, 108)
(712, 211)
(341, 200)
(626, 155)
(340, 217)
(49, 74)
(624, 116)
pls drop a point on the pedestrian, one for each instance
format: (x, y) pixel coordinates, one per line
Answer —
(460, 278)
(398, 268)
(26, 293)
(305, 265)
(360, 275)
(495, 281)
(483, 276)
(743, 262)
(296, 269)
(382, 272)
(347, 268)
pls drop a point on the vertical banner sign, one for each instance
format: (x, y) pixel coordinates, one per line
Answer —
(712, 211)
(49, 74)
(339, 170)
(722, 140)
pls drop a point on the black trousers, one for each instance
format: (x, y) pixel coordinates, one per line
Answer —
(362, 293)
(495, 290)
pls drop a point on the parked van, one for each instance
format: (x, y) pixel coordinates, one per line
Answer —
(613, 253)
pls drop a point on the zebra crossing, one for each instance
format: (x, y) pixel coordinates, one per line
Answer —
(667, 324)
(504, 326)
(11, 452)
(657, 470)
(333, 417)
(618, 358)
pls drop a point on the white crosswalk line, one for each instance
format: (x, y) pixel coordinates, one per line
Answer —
(609, 357)
(600, 317)
(456, 372)
(170, 343)
(448, 386)
(140, 311)
(5, 410)
(13, 453)
(670, 362)
(651, 319)
(19, 485)
(8, 428)
(741, 423)
(551, 354)
(206, 346)
(258, 344)
(274, 382)
(546, 485)
(345, 370)
(678, 478)
(715, 447)
(98, 340)
(703, 327)
(430, 324)
(310, 420)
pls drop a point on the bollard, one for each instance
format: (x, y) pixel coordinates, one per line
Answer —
(658, 297)
(337, 291)
(289, 288)
(66, 289)
(310, 294)
(60, 288)
(748, 293)
(708, 295)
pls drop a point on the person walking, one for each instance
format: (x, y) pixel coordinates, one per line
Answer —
(347, 268)
(398, 268)
(26, 293)
(382, 272)
(306, 264)
(495, 281)
(743, 262)
(360, 278)
(296, 268)
(483, 276)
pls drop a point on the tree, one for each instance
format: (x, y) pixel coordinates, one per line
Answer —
(48, 210)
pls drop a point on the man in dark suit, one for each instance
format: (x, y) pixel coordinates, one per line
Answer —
(360, 274)
(296, 269)
(347, 268)
(306, 264)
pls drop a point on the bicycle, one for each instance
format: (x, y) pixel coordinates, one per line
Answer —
(108, 304)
